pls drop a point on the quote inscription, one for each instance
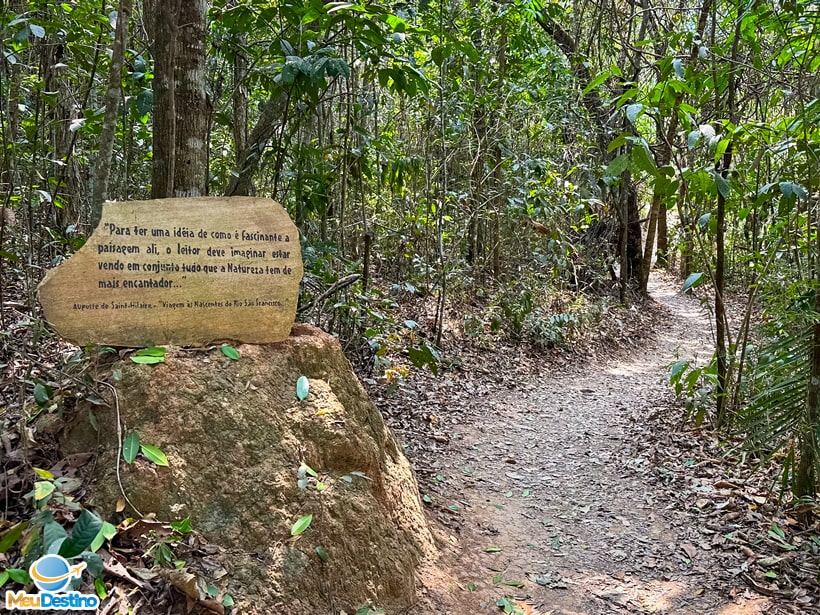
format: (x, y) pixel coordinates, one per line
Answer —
(182, 271)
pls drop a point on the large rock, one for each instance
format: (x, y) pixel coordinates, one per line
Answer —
(235, 435)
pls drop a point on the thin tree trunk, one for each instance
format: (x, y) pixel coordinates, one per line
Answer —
(191, 103)
(721, 322)
(102, 170)
(164, 51)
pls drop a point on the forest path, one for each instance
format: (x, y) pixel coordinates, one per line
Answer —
(555, 510)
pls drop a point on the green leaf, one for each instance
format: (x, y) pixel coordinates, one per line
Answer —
(790, 189)
(492, 549)
(148, 360)
(596, 82)
(720, 149)
(617, 166)
(37, 31)
(83, 533)
(18, 576)
(144, 102)
(11, 536)
(619, 141)
(154, 454)
(149, 356)
(53, 532)
(131, 447)
(471, 587)
(99, 588)
(722, 185)
(227, 600)
(692, 139)
(703, 221)
(152, 351)
(677, 369)
(4, 577)
(43, 489)
(694, 279)
(302, 388)
(677, 65)
(643, 159)
(320, 551)
(94, 563)
(42, 394)
(514, 583)
(183, 527)
(633, 111)
(301, 525)
(230, 352)
(44, 474)
(107, 532)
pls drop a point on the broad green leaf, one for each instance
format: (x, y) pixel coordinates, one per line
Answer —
(37, 31)
(703, 221)
(722, 185)
(131, 447)
(643, 160)
(720, 149)
(677, 369)
(471, 587)
(301, 525)
(183, 527)
(596, 82)
(42, 394)
(53, 532)
(152, 351)
(320, 551)
(107, 532)
(18, 576)
(11, 536)
(44, 474)
(43, 489)
(692, 139)
(619, 141)
(94, 563)
(230, 352)
(789, 189)
(83, 533)
(227, 600)
(694, 279)
(617, 166)
(633, 111)
(154, 454)
(148, 360)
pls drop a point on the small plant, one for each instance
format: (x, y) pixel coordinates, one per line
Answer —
(161, 551)
(44, 535)
(132, 446)
(695, 385)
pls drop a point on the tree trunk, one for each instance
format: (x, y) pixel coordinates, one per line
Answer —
(191, 103)
(164, 51)
(102, 168)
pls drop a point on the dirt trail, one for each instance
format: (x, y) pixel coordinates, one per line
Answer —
(555, 509)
